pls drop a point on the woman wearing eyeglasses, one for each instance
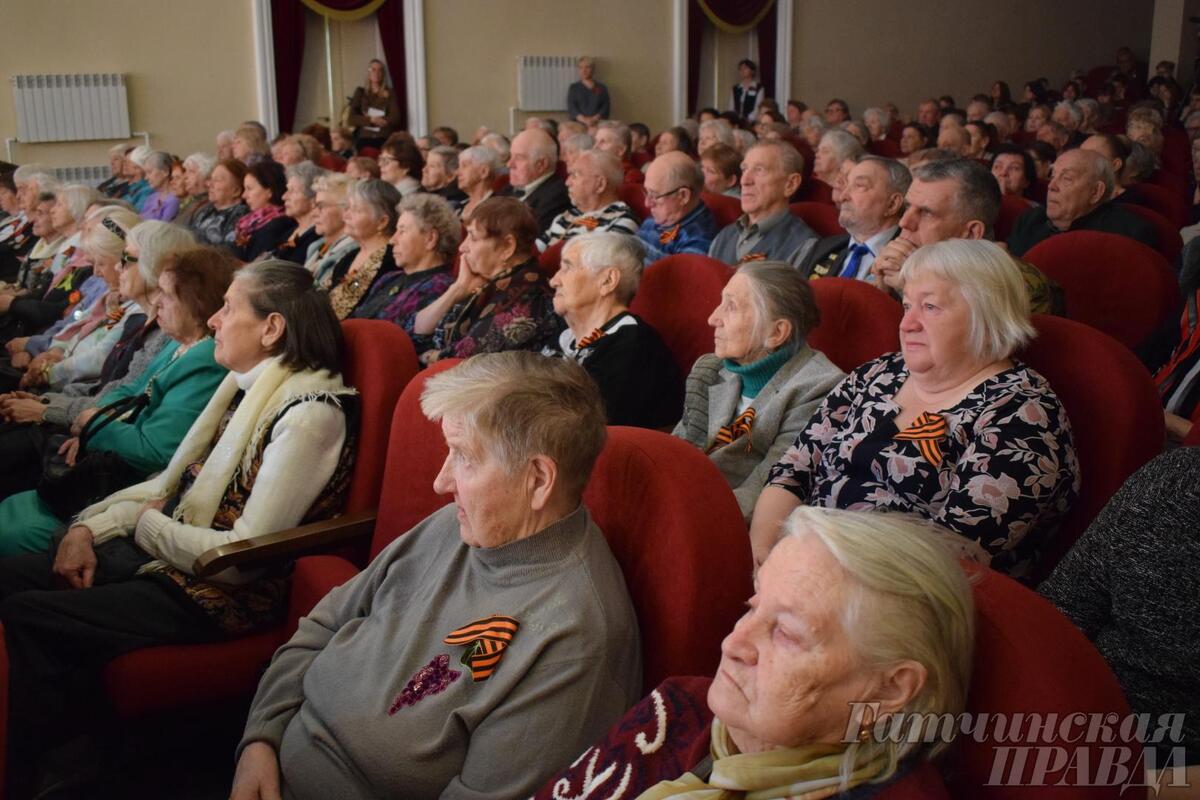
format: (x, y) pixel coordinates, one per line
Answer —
(400, 164)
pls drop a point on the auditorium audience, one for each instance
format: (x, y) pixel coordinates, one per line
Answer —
(161, 204)
(362, 168)
(401, 163)
(440, 174)
(722, 168)
(531, 164)
(767, 230)
(1013, 170)
(679, 222)
(950, 428)
(216, 222)
(196, 170)
(836, 147)
(370, 220)
(914, 137)
(299, 205)
(869, 208)
(477, 171)
(325, 253)
(746, 402)
(500, 299)
(266, 226)
(427, 236)
(250, 144)
(593, 183)
(1078, 199)
(773, 721)
(673, 140)
(635, 372)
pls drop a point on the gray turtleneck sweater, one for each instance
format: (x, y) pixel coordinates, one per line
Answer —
(367, 700)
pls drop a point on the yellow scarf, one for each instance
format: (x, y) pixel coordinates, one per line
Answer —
(800, 773)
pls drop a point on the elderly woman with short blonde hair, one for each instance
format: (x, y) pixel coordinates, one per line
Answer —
(330, 199)
(515, 561)
(777, 720)
(596, 280)
(953, 427)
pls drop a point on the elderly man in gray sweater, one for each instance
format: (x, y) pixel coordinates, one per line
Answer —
(484, 649)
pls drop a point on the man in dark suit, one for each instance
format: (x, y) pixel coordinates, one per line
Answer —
(531, 164)
(869, 208)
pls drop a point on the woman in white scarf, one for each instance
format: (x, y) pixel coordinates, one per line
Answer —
(271, 450)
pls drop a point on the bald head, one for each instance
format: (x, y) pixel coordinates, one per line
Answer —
(673, 184)
(1082, 181)
(533, 154)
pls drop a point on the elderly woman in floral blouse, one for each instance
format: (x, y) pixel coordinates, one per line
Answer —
(500, 300)
(952, 427)
(370, 219)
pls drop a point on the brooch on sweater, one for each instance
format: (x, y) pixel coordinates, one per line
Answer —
(486, 640)
(433, 678)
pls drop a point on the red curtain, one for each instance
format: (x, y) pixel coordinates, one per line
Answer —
(287, 33)
(735, 13)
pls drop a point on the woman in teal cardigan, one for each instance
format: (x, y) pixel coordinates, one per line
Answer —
(177, 386)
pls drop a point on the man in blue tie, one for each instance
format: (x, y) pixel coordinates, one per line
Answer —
(869, 208)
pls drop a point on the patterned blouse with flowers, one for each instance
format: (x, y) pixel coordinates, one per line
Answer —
(999, 467)
(349, 290)
(398, 296)
(512, 311)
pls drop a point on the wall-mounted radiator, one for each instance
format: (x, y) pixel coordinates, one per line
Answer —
(89, 176)
(71, 108)
(542, 82)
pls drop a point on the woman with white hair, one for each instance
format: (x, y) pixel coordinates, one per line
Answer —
(161, 204)
(196, 169)
(135, 176)
(745, 402)
(952, 427)
(299, 204)
(114, 185)
(596, 280)
(477, 170)
(877, 122)
(330, 202)
(810, 701)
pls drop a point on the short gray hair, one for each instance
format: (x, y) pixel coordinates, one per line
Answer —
(479, 154)
(308, 173)
(846, 146)
(781, 292)
(976, 196)
(815, 123)
(579, 143)
(449, 156)
(435, 213)
(789, 157)
(744, 140)
(898, 176)
(620, 129)
(686, 172)
(497, 143)
(156, 241)
(992, 285)
(607, 165)
(335, 183)
(880, 116)
(76, 198)
(517, 405)
(1100, 168)
(1141, 163)
(1072, 109)
(622, 252)
(722, 130)
(909, 600)
(37, 175)
(381, 196)
(202, 162)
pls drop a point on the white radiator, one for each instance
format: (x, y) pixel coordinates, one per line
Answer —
(542, 82)
(70, 108)
(89, 176)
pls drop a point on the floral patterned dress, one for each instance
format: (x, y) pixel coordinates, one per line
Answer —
(999, 467)
(398, 297)
(512, 311)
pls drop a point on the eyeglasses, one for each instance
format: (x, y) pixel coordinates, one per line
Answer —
(127, 259)
(652, 197)
(388, 160)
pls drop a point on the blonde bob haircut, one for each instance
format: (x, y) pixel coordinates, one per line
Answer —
(517, 405)
(909, 600)
(100, 241)
(991, 283)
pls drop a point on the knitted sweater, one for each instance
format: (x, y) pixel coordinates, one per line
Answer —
(1130, 584)
(367, 700)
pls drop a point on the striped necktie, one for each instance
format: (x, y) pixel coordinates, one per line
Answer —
(485, 640)
(927, 431)
(740, 427)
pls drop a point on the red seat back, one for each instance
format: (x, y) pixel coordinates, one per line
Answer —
(551, 257)
(632, 195)
(380, 362)
(1037, 192)
(858, 322)
(815, 190)
(1114, 409)
(671, 520)
(1170, 244)
(821, 217)
(1176, 151)
(1110, 282)
(725, 209)
(1170, 204)
(1030, 659)
(1011, 207)
(368, 152)
(1170, 181)
(676, 297)
(500, 183)
(885, 148)
(332, 162)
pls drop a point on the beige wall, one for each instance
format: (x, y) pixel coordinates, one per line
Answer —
(720, 53)
(472, 47)
(191, 71)
(871, 52)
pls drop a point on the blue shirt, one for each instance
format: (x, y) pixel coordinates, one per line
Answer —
(692, 234)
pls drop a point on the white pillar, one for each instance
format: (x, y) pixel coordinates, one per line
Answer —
(414, 67)
(783, 50)
(264, 68)
(679, 87)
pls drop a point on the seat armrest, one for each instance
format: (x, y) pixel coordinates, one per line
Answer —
(290, 543)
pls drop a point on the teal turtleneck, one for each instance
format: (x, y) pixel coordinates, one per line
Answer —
(758, 374)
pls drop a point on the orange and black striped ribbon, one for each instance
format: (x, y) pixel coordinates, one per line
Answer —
(485, 640)
(927, 431)
(590, 339)
(735, 430)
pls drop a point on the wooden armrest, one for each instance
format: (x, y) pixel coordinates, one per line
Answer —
(290, 543)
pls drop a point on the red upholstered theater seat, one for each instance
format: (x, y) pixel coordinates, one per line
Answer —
(1176, 152)
(550, 259)
(1114, 409)
(369, 152)
(1110, 282)
(1011, 207)
(381, 362)
(633, 195)
(1169, 203)
(885, 148)
(500, 183)
(1170, 243)
(858, 322)
(332, 162)
(821, 217)
(725, 209)
(1037, 192)
(1172, 182)
(676, 297)
(815, 190)
(1031, 659)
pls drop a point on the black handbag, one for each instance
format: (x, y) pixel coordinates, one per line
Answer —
(68, 490)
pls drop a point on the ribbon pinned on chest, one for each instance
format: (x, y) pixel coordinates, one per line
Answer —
(486, 640)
